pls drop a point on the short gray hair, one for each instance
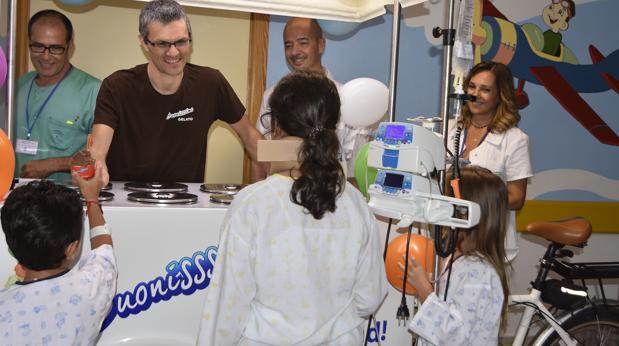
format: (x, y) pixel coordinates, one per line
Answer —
(164, 12)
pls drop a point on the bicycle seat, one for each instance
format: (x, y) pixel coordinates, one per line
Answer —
(573, 231)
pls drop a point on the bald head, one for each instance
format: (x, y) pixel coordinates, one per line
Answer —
(304, 44)
(51, 18)
(312, 24)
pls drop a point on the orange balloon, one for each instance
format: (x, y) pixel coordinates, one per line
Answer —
(420, 248)
(7, 164)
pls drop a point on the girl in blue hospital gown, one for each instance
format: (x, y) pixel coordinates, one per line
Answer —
(299, 259)
(477, 288)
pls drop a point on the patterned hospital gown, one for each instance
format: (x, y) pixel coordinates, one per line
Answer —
(282, 277)
(472, 313)
(63, 310)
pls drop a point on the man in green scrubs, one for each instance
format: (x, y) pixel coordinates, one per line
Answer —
(54, 104)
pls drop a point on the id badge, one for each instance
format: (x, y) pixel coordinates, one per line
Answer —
(25, 146)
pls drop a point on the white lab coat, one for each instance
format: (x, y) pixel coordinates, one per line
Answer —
(507, 155)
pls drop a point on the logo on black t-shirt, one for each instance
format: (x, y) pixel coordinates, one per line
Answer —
(181, 115)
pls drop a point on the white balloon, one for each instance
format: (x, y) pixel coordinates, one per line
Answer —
(337, 28)
(75, 2)
(364, 102)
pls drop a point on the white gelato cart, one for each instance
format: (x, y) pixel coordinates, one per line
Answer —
(165, 254)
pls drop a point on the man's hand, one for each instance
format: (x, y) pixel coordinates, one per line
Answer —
(41, 169)
(105, 175)
(101, 140)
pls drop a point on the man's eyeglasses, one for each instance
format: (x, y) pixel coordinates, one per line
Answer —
(182, 43)
(54, 49)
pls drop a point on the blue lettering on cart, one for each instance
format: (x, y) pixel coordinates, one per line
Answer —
(377, 333)
(182, 277)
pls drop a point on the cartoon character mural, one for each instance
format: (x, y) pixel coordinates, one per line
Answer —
(556, 16)
(524, 49)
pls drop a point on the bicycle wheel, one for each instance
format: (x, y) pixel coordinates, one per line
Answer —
(594, 325)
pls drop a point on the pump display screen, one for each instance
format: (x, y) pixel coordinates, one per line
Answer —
(395, 132)
(393, 180)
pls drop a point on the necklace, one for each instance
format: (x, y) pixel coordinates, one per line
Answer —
(479, 138)
(477, 126)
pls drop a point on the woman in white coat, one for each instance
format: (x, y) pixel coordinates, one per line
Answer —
(489, 136)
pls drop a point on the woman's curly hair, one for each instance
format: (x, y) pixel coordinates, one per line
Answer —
(506, 115)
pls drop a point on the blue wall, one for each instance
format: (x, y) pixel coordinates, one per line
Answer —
(558, 141)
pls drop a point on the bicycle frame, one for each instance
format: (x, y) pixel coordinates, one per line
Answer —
(534, 298)
(533, 303)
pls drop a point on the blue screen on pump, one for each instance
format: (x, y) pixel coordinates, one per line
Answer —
(394, 180)
(395, 132)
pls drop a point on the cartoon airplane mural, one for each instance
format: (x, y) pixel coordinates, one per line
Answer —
(497, 39)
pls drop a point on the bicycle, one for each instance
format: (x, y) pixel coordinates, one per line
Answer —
(580, 320)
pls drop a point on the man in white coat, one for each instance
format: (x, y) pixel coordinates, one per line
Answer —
(304, 45)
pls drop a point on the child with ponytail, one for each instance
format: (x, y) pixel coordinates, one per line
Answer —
(299, 259)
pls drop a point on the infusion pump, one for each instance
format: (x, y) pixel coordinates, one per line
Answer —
(406, 147)
(405, 155)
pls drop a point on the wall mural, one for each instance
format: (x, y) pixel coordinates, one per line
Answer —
(566, 66)
(538, 50)
(540, 57)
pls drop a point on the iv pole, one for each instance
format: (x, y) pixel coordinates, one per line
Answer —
(393, 76)
(395, 49)
(448, 43)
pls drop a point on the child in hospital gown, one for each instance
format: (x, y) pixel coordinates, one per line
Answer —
(304, 268)
(475, 295)
(477, 291)
(58, 301)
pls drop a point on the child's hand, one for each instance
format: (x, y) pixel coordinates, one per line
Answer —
(418, 277)
(89, 188)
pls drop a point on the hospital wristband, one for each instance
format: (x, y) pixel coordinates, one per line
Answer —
(100, 230)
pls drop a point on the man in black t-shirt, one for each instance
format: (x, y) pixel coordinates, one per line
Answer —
(151, 121)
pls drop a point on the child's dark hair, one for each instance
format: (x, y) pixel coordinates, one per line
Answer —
(39, 221)
(307, 105)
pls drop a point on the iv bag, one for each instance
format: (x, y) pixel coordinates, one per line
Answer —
(462, 58)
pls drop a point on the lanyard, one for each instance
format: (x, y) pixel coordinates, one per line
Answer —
(36, 117)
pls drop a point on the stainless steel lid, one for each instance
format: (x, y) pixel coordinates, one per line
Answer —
(222, 198)
(163, 197)
(155, 187)
(224, 189)
(71, 186)
(431, 123)
(75, 187)
(104, 196)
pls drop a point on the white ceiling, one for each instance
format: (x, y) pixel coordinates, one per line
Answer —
(342, 10)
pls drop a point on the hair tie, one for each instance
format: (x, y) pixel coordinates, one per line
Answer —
(315, 131)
